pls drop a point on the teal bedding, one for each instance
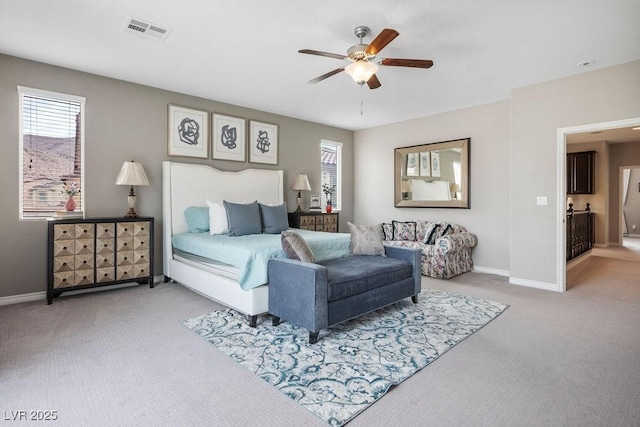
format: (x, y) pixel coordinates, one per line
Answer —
(251, 253)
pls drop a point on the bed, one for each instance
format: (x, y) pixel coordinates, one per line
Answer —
(188, 185)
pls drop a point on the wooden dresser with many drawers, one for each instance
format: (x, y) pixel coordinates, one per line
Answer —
(86, 253)
(314, 221)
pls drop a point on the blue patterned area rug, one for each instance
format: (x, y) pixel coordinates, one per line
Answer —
(356, 362)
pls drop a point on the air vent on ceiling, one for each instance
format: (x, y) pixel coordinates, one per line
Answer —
(146, 30)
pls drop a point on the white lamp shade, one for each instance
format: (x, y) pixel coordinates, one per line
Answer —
(132, 173)
(361, 71)
(301, 182)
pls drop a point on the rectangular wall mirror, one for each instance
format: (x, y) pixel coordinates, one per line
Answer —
(432, 175)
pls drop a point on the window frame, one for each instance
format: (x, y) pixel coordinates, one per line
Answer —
(336, 201)
(58, 96)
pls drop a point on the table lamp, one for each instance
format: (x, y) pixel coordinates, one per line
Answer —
(300, 183)
(406, 188)
(454, 188)
(132, 173)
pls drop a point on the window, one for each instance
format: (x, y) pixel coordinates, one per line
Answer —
(331, 172)
(51, 151)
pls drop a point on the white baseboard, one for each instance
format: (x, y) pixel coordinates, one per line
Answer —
(17, 299)
(489, 270)
(38, 296)
(579, 260)
(533, 284)
(515, 280)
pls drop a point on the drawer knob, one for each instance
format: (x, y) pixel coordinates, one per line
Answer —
(125, 244)
(64, 232)
(85, 246)
(105, 245)
(84, 262)
(64, 248)
(64, 263)
(125, 258)
(64, 280)
(141, 256)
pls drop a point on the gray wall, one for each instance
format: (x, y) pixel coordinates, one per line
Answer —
(514, 159)
(126, 121)
(488, 218)
(537, 112)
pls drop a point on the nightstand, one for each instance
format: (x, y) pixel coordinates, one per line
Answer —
(314, 221)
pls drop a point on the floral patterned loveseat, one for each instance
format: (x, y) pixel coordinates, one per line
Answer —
(445, 247)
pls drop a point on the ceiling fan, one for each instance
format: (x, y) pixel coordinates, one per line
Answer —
(363, 66)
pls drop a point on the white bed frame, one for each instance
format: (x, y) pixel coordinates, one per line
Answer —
(186, 185)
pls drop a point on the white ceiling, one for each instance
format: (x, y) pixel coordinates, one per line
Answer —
(612, 136)
(246, 52)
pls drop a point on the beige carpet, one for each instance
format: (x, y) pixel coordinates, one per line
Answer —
(122, 357)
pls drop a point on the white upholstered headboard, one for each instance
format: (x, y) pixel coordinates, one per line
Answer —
(435, 190)
(185, 185)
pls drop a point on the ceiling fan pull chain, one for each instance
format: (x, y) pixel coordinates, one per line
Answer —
(361, 102)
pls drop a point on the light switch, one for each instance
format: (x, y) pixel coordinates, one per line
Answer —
(541, 200)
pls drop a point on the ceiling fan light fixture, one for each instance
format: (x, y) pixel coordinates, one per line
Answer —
(361, 71)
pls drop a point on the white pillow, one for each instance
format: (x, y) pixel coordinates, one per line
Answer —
(218, 223)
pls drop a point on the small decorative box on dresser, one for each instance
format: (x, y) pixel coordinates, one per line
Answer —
(87, 253)
(314, 221)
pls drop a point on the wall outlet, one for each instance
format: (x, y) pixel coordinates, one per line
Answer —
(541, 200)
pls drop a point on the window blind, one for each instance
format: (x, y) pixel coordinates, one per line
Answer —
(330, 171)
(51, 148)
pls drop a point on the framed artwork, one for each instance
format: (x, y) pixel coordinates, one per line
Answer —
(413, 164)
(188, 132)
(263, 143)
(314, 202)
(435, 164)
(425, 163)
(229, 138)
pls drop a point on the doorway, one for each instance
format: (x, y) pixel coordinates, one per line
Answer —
(596, 131)
(630, 205)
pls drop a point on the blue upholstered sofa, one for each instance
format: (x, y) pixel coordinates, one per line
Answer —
(316, 296)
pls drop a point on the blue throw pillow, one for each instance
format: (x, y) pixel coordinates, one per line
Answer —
(197, 219)
(274, 218)
(243, 218)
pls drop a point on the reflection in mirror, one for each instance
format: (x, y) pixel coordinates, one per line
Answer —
(433, 175)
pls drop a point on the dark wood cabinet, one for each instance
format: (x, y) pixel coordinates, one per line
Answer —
(580, 232)
(581, 172)
(314, 221)
(87, 253)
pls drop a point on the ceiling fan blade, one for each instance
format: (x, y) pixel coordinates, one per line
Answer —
(373, 82)
(324, 76)
(385, 37)
(319, 53)
(415, 63)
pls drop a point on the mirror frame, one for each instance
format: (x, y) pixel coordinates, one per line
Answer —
(464, 201)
